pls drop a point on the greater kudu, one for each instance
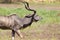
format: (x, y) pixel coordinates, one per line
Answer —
(15, 23)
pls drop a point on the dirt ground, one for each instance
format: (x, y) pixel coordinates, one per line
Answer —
(43, 32)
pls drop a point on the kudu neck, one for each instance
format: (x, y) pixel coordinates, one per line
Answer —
(30, 18)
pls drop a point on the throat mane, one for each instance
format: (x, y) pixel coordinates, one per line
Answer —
(27, 22)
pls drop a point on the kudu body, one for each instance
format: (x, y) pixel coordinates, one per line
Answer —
(15, 23)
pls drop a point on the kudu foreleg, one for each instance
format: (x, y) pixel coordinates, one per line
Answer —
(19, 33)
(13, 34)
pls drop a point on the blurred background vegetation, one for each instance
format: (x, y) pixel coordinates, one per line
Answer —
(36, 1)
(47, 28)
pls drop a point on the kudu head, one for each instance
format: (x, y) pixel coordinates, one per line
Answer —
(34, 16)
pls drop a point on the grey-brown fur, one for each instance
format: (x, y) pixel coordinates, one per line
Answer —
(15, 23)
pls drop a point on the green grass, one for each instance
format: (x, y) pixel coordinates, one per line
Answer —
(48, 16)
